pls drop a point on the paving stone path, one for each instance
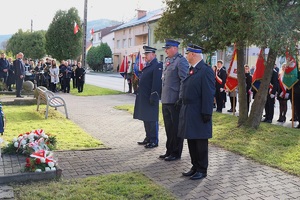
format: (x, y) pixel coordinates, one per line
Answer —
(230, 176)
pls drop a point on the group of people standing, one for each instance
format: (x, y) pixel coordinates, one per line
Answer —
(186, 87)
(47, 74)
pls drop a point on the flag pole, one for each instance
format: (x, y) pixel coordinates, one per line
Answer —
(293, 110)
(234, 95)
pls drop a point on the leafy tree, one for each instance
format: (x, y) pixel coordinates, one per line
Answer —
(61, 42)
(216, 24)
(96, 55)
(32, 44)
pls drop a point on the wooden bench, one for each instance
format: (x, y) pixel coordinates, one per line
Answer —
(50, 99)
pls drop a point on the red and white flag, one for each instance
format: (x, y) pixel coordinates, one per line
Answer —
(232, 81)
(76, 28)
(92, 31)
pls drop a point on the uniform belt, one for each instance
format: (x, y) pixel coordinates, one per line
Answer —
(188, 101)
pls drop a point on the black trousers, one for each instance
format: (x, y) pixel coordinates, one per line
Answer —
(198, 149)
(220, 100)
(80, 85)
(174, 143)
(66, 86)
(19, 85)
(269, 107)
(151, 128)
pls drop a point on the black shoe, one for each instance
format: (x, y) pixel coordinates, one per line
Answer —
(265, 120)
(219, 111)
(20, 97)
(171, 158)
(164, 156)
(229, 110)
(143, 143)
(198, 175)
(151, 145)
(269, 121)
(189, 173)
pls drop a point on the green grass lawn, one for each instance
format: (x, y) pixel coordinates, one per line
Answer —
(114, 186)
(22, 119)
(91, 90)
(272, 145)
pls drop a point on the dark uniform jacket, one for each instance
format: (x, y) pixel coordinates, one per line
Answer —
(175, 72)
(198, 91)
(4, 65)
(147, 98)
(222, 77)
(80, 74)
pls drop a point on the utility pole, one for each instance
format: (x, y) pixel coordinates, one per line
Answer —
(31, 25)
(84, 34)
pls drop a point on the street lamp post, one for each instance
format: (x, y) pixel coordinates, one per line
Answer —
(84, 34)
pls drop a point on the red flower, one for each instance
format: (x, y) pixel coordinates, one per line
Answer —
(27, 133)
(38, 161)
(20, 135)
(27, 160)
(27, 165)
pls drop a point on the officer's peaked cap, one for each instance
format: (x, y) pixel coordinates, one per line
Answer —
(148, 49)
(194, 48)
(171, 43)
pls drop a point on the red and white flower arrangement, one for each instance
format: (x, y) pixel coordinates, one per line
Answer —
(37, 145)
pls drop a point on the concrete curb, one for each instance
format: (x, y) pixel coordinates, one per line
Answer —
(31, 176)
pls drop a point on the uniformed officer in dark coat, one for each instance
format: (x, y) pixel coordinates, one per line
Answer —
(147, 97)
(221, 76)
(175, 71)
(195, 119)
(20, 73)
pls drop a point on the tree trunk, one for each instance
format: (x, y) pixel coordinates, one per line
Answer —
(242, 98)
(261, 96)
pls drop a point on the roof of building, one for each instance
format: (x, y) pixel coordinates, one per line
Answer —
(151, 15)
(107, 30)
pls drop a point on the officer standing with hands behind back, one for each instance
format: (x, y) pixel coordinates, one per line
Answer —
(175, 71)
(147, 97)
(195, 123)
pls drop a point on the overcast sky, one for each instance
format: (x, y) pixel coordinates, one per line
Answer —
(17, 14)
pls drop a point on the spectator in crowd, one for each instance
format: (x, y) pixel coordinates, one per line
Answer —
(80, 76)
(297, 100)
(147, 98)
(233, 100)
(252, 70)
(248, 77)
(11, 79)
(54, 72)
(220, 85)
(282, 95)
(73, 76)
(269, 106)
(20, 73)
(4, 67)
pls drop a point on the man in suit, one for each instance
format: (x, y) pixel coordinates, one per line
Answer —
(19, 73)
(147, 97)
(195, 119)
(175, 71)
(221, 76)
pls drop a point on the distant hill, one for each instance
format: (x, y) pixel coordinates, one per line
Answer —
(95, 24)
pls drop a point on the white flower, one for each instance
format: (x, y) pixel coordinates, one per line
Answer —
(53, 168)
(20, 138)
(16, 144)
(23, 142)
(31, 136)
(47, 169)
(24, 146)
(38, 170)
(43, 160)
(51, 164)
(15, 139)
(31, 140)
(46, 136)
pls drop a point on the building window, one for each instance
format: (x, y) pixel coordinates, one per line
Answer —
(161, 58)
(129, 42)
(118, 44)
(124, 43)
(144, 39)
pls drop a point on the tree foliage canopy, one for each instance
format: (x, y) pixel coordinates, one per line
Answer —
(61, 42)
(96, 55)
(32, 44)
(215, 24)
